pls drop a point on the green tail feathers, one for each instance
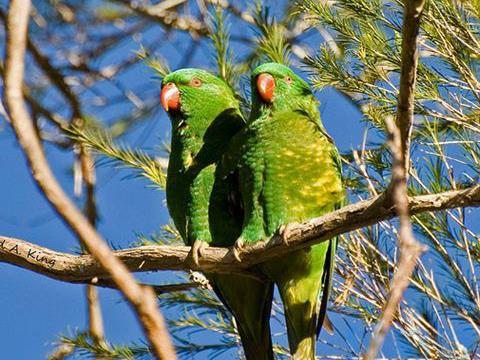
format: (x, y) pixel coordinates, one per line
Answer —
(327, 279)
(250, 302)
(301, 280)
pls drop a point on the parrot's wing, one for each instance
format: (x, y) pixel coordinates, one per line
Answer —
(234, 198)
(228, 176)
(329, 266)
(231, 158)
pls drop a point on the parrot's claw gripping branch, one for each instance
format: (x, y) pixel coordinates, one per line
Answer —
(237, 249)
(285, 231)
(198, 250)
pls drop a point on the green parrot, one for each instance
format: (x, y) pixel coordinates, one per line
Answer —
(205, 115)
(289, 171)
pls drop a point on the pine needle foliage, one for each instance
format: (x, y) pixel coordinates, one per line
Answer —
(85, 347)
(101, 141)
(227, 67)
(168, 235)
(159, 65)
(272, 41)
(224, 58)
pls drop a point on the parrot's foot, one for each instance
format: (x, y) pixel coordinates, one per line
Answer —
(286, 230)
(237, 248)
(198, 248)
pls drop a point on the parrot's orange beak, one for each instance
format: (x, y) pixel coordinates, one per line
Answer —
(265, 86)
(170, 97)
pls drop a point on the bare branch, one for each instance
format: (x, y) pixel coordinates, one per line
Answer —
(95, 319)
(141, 299)
(84, 268)
(411, 25)
(169, 19)
(410, 249)
(159, 289)
(94, 310)
(61, 352)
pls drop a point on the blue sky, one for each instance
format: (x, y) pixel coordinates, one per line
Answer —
(35, 309)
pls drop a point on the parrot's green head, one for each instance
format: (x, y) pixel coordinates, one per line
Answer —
(195, 97)
(276, 87)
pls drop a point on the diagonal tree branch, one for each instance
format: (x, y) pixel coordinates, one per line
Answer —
(87, 170)
(141, 298)
(84, 268)
(410, 249)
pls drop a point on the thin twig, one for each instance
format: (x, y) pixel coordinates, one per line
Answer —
(55, 76)
(87, 169)
(159, 289)
(142, 299)
(61, 352)
(410, 249)
(168, 19)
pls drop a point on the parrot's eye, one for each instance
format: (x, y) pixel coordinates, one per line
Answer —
(196, 82)
(288, 79)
